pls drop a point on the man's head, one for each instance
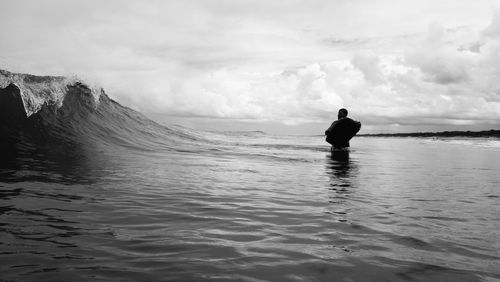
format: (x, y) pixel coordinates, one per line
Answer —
(342, 113)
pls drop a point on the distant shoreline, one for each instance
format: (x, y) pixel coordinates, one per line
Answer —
(484, 133)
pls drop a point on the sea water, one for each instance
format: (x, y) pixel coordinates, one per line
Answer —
(249, 206)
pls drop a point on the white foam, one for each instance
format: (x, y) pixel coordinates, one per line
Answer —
(39, 91)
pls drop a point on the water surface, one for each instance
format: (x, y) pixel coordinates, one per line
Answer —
(254, 207)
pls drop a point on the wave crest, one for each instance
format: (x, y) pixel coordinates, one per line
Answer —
(37, 91)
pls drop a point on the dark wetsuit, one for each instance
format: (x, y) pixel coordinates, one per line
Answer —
(341, 131)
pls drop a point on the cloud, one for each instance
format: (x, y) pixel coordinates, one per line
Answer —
(292, 63)
(440, 62)
(368, 63)
(493, 30)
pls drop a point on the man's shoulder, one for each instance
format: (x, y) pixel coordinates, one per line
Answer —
(352, 121)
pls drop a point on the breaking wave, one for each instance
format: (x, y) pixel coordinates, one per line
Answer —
(55, 129)
(52, 111)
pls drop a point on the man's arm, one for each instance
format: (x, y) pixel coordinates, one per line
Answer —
(358, 126)
(330, 128)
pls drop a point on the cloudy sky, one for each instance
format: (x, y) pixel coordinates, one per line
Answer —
(278, 66)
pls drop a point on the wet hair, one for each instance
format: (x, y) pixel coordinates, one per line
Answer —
(342, 112)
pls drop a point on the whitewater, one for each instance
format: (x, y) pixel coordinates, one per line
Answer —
(91, 190)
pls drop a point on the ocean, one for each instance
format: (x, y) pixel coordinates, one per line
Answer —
(94, 191)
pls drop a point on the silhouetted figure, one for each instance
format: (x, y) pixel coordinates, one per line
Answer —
(341, 131)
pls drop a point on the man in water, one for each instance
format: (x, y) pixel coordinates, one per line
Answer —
(341, 131)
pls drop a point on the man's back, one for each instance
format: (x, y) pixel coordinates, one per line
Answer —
(341, 131)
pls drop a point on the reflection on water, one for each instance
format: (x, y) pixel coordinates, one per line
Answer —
(339, 164)
(342, 172)
(341, 169)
